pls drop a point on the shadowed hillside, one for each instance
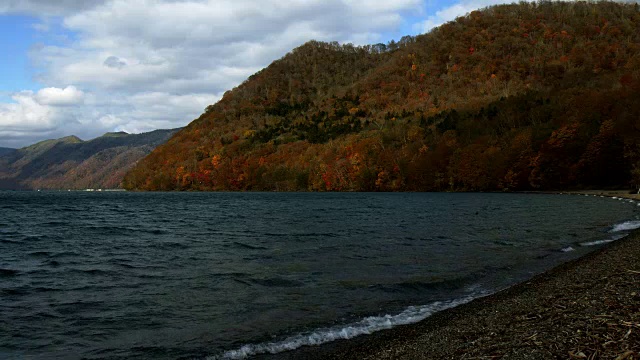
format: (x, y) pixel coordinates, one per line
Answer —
(70, 163)
(5, 151)
(513, 97)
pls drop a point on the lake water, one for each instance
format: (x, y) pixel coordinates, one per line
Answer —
(229, 275)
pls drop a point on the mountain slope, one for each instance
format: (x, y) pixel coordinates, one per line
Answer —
(70, 163)
(527, 96)
(5, 151)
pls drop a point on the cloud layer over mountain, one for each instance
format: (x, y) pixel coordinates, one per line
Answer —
(120, 65)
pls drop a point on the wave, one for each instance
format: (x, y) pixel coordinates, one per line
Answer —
(567, 249)
(55, 223)
(53, 263)
(604, 241)
(416, 285)
(365, 326)
(13, 291)
(169, 245)
(323, 235)
(626, 226)
(247, 246)
(8, 272)
(91, 271)
(275, 282)
(33, 238)
(597, 242)
(66, 254)
(7, 241)
(40, 253)
(126, 230)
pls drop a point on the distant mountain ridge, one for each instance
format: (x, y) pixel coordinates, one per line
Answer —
(71, 163)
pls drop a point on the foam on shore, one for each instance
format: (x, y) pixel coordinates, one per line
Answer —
(626, 226)
(410, 315)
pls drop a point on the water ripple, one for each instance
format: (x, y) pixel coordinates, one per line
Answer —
(191, 275)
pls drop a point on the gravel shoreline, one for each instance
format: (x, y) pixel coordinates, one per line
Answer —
(588, 308)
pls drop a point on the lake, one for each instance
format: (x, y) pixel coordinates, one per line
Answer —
(230, 275)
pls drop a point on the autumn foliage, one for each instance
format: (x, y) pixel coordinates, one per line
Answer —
(513, 97)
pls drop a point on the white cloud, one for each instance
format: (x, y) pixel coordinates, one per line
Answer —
(451, 12)
(48, 114)
(146, 64)
(25, 114)
(60, 97)
(46, 7)
(167, 43)
(26, 120)
(110, 121)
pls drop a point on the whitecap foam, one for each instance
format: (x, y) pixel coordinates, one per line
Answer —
(626, 226)
(597, 242)
(605, 241)
(568, 249)
(365, 326)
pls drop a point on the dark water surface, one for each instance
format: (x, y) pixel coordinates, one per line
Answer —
(197, 275)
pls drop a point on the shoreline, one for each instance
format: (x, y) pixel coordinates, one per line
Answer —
(587, 308)
(622, 194)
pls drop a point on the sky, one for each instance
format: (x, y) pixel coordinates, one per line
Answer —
(87, 67)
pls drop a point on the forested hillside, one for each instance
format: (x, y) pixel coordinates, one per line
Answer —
(70, 163)
(4, 151)
(513, 97)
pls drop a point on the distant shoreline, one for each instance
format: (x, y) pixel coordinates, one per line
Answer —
(67, 190)
(606, 193)
(586, 306)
